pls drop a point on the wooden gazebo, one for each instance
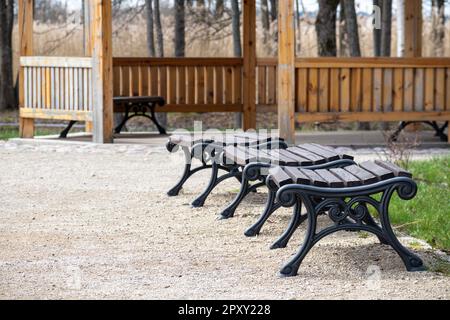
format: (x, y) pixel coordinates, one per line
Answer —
(304, 90)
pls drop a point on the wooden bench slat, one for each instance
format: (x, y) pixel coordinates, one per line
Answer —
(332, 150)
(315, 179)
(332, 180)
(300, 160)
(316, 159)
(349, 179)
(331, 156)
(297, 176)
(399, 172)
(378, 171)
(280, 177)
(364, 176)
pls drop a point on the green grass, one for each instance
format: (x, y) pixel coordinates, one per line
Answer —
(428, 215)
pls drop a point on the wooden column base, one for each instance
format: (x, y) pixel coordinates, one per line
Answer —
(26, 128)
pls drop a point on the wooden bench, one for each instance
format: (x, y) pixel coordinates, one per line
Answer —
(207, 149)
(131, 107)
(254, 165)
(344, 195)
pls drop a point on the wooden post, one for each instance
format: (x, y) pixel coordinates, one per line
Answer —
(102, 82)
(87, 35)
(25, 20)
(286, 70)
(249, 85)
(413, 28)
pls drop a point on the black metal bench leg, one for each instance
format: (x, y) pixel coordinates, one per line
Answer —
(66, 131)
(371, 222)
(231, 209)
(186, 174)
(161, 129)
(268, 211)
(296, 221)
(200, 201)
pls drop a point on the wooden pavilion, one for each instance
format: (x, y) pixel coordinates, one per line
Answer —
(304, 90)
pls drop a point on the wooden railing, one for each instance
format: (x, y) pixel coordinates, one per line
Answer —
(188, 84)
(372, 89)
(266, 75)
(57, 88)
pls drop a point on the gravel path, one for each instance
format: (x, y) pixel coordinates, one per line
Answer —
(81, 222)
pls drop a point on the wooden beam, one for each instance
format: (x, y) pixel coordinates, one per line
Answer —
(249, 81)
(25, 21)
(374, 116)
(286, 70)
(413, 28)
(87, 28)
(102, 82)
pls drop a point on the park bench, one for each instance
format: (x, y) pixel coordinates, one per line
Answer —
(255, 164)
(207, 149)
(344, 195)
(131, 107)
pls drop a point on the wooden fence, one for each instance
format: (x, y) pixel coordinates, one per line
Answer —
(57, 88)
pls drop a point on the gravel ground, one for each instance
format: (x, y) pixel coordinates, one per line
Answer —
(82, 222)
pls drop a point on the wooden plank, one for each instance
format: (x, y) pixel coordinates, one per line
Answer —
(218, 85)
(345, 89)
(49, 114)
(381, 172)
(366, 62)
(440, 90)
(374, 116)
(364, 176)
(335, 90)
(262, 92)
(313, 90)
(209, 85)
(368, 89)
(272, 85)
(329, 155)
(181, 85)
(58, 88)
(377, 90)
(162, 82)
(228, 87)
(154, 81)
(324, 90)
(177, 61)
(249, 50)
(356, 90)
(398, 90)
(102, 72)
(348, 179)
(315, 179)
(302, 90)
(237, 85)
(408, 104)
(316, 159)
(297, 176)
(388, 90)
(399, 172)
(413, 28)
(172, 85)
(200, 85)
(190, 85)
(419, 90)
(332, 180)
(429, 89)
(280, 177)
(53, 62)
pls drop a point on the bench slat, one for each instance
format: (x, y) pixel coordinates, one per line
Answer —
(316, 160)
(364, 176)
(315, 179)
(332, 180)
(349, 179)
(378, 171)
(297, 176)
(331, 156)
(399, 172)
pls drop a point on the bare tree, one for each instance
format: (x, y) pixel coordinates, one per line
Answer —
(400, 28)
(220, 8)
(265, 20)
(179, 39)
(386, 28)
(150, 28)
(326, 27)
(351, 22)
(7, 95)
(298, 27)
(343, 35)
(158, 29)
(376, 32)
(438, 33)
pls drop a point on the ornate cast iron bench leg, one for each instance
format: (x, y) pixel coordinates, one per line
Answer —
(348, 209)
(66, 131)
(188, 171)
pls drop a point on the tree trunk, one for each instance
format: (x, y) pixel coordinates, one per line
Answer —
(7, 96)
(326, 28)
(377, 32)
(352, 28)
(158, 27)
(400, 28)
(298, 28)
(343, 36)
(150, 28)
(237, 45)
(386, 28)
(180, 43)
(438, 30)
(219, 9)
(273, 10)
